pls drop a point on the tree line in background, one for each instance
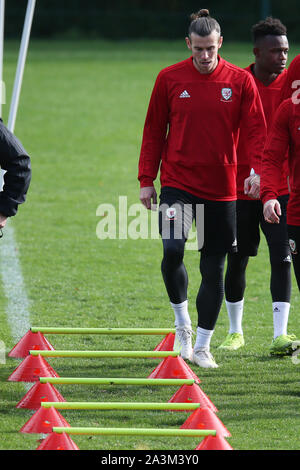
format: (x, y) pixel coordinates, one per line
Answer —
(155, 19)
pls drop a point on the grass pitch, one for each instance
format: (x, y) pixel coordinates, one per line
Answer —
(81, 115)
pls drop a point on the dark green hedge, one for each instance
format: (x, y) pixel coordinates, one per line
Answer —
(121, 19)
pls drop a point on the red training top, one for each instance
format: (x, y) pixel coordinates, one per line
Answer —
(270, 97)
(292, 84)
(192, 127)
(284, 134)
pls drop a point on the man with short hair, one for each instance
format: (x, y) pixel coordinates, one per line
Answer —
(191, 134)
(270, 50)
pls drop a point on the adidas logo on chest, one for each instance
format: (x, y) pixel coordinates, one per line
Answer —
(185, 94)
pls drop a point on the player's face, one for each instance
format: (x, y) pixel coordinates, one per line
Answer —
(271, 53)
(205, 51)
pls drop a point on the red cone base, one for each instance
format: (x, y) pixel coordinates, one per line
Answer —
(204, 418)
(173, 368)
(214, 443)
(31, 369)
(55, 441)
(167, 344)
(30, 341)
(38, 393)
(43, 421)
(192, 394)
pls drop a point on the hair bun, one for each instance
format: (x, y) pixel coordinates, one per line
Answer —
(203, 24)
(202, 13)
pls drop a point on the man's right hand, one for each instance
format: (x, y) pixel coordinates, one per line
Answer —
(148, 197)
(252, 186)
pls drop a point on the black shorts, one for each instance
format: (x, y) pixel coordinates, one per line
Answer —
(250, 219)
(215, 220)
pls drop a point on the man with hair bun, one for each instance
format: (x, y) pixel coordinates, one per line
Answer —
(190, 134)
(270, 50)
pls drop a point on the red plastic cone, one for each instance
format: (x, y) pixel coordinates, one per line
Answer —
(38, 393)
(31, 369)
(214, 443)
(55, 441)
(192, 394)
(43, 421)
(167, 344)
(173, 368)
(30, 341)
(204, 418)
(194, 376)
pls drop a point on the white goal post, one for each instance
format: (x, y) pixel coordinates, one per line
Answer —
(20, 65)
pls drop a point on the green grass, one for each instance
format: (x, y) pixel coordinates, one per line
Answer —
(81, 116)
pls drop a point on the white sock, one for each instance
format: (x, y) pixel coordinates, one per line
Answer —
(235, 314)
(281, 312)
(203, 338)
(182, 317)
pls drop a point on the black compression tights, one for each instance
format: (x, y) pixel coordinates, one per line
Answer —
(280, 283)
(235, 278)
(173, 270)
(211, 292)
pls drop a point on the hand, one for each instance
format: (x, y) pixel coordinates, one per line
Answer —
(3, 220)
(147, 195)
(252, 186)
(272, 211)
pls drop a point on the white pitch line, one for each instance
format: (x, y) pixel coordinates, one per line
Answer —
(17, 308)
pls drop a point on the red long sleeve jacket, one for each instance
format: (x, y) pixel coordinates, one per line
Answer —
(292, 84)
(284, 134)
(270, 97)
(192, 128)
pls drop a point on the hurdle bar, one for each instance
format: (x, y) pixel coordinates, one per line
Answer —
(94, 354)
(102, 331)
(120, 406)
(114, 381)
(92, 431)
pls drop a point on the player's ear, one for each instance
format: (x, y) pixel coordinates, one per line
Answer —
(188, 43)
(256, 51)
(220, 42)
